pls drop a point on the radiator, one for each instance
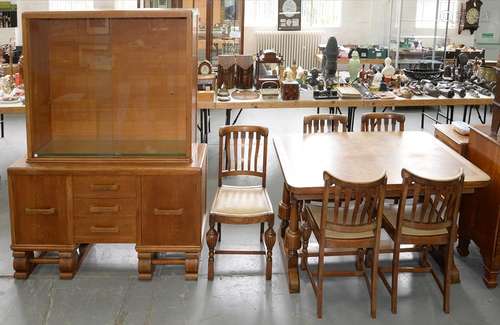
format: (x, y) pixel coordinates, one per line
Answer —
(299, 46)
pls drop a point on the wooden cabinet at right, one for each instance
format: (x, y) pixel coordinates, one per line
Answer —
(480, 212)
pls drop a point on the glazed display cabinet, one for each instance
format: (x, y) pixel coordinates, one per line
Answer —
(112, 154)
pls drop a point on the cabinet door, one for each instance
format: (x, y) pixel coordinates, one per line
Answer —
(171, 210)
(39, 213)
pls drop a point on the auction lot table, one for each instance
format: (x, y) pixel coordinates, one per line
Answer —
(307, 100)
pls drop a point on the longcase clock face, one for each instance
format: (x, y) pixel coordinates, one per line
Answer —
(469, 16)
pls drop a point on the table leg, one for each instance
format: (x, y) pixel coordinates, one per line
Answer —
(464, 117)
(292, 244)
(452, 110)
(228, 116)
(284, 210)
(1, 124)
(423, 116)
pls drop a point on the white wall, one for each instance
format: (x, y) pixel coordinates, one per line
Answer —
(367, 22)
(364, 22)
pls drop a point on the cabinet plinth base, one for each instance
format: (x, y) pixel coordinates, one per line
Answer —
(149, 259)
(69, 260)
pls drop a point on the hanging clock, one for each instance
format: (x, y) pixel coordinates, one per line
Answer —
(469, 16)
(205, 68)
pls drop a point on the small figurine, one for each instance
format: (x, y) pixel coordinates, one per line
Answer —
(293, 70)
(312, 79)
(329, 63)
(354, 65)
(377, 79)
(388, 71)
(7, 84)
(362, 74)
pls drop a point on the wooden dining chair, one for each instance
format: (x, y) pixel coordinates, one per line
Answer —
(325, 123)
(242, 152)
(371, 122)
(426, 215)
(354, 224)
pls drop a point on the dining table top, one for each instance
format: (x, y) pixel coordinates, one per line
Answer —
(365, 156)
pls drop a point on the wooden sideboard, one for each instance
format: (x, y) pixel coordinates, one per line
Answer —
(480, 213)
(62, 208)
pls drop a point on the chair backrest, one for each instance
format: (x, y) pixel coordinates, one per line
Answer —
(380, 122)
(243, 151)
(357, 207)
(435, 202)
(325, 123)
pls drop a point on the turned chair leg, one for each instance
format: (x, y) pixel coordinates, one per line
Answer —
(219, 231)
(270, 239)
(261, 231)
(306, 234)
(395, 275)
(211, 242)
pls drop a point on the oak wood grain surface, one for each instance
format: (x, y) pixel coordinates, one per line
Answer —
(359, 156)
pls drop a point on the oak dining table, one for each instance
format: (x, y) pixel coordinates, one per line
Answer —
(356, 156)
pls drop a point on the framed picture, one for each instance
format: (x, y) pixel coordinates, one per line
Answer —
(289, 15)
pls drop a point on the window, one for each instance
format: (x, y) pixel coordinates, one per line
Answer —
(321, 13)
(426, 13)
(71, 4)
(126, 4)
(261, 13)
(315, 13)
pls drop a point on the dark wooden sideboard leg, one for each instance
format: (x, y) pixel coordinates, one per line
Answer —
(67, 264)
(191, 265)
(292, 244)
(22, 264)
(146, 267)
(284, 210)
(490, 277)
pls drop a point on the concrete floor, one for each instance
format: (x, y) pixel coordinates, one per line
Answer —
(106, 289)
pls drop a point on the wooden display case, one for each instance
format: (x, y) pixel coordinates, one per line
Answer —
(110, 84)
(112, 155)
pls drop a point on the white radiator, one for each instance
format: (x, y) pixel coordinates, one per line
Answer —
(299, 46)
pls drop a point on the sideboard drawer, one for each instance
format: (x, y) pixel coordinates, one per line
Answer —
(38, 208)
(104, 186)
(105, 230)
(105, 208)
(170, 213)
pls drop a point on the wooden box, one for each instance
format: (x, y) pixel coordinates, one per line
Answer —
(109, 86)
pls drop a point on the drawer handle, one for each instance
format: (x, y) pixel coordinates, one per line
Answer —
(95, 209)
(104, 187)
(161, 212)
(102, 230)
(46, 212)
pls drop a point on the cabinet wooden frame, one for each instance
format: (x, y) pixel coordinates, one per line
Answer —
(31, 54)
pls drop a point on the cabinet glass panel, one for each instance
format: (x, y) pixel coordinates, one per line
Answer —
(226, 31)
(108, 87)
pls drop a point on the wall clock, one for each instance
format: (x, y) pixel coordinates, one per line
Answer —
(205, 68)
(469, 16)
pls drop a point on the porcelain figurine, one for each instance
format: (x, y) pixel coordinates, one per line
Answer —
(354, 66)
(388, 71)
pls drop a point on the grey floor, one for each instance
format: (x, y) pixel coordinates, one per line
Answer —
(106, 289)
